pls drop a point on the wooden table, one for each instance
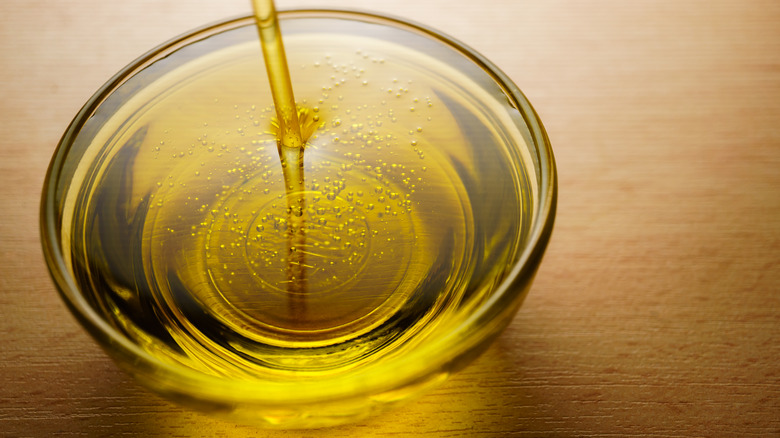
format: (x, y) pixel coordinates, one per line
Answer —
(657, 309)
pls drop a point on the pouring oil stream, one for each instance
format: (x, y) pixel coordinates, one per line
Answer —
(290, 144)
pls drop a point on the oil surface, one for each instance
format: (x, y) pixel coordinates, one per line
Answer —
(409, 205)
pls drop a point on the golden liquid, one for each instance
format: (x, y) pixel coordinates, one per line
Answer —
(290, 144)
(410, 209)
(278, 76)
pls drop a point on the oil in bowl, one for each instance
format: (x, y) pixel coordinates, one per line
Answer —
(426, 200)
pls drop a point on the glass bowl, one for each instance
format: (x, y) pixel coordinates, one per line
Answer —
(163, 197)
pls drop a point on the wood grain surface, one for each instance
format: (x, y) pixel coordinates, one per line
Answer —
(657, 309)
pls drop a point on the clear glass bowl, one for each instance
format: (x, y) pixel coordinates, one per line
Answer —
(503, 169)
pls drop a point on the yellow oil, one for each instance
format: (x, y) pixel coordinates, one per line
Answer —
(185, 231)
(279, 79)
(290, 144)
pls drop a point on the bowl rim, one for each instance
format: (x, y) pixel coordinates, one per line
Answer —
(407, 370)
